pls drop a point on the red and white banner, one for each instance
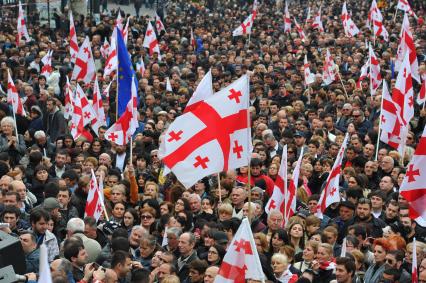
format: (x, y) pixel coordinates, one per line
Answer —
(111, 62)
(287, 19)
(403, 93)
(69, 95)
(300, 31)
(290, 194)
(100, 119)
(123, 129)
(309, 77)
(159, 24)
(421, 98)
(375, 76)
(277, 200)
(348, 24)
(378, 26)
(94, 203)
(413, 186)
(212, 138)
(245, 27)
(393, 129)
(84, 68)
(22, 27)
(13, 97)
(77, 126)
(328, 75)
(88, 113)
(406, 44)
(47, 68)
(203, 91)
(150, 41)
(373, 12)
(140, 67)
(193, 42)
(331, 193)
(318, 22)
(73, 39)
(241, 260)
(105, 49)
(405, 6)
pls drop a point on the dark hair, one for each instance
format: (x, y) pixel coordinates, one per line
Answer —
(348, 263)
(37, 214)
(72, 249)
(16, 194)
(398, 254)
(32, 235)
(199, 265)
(120, 244)
(135, 215)
(120, 232)
(70, 174)
(394, 272)
(11, 209)
(91, 221)
(221, 253)
(282, 235)
(119, 257)
(140, 276)
(233, 224)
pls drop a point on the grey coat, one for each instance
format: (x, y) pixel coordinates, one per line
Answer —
(372, 275)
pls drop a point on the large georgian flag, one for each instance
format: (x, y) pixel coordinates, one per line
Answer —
(413, 186)
(212, 138)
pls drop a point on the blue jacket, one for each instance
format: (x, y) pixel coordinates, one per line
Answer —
(32, 261)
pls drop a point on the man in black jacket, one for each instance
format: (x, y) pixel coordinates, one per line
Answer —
(188, 254)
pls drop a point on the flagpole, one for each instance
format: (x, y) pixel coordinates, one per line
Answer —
(16, 125)
(99, 192)
(341, 81)
(219, 188)
(394, 16)
(380, 126)
(131, 150)
(249, 154)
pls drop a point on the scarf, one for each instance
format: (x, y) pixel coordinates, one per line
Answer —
(328, 265)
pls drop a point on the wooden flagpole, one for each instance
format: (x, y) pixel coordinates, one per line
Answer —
(249, 154)
(380, 126)
(219, 188)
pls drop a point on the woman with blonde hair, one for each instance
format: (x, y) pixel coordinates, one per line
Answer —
(324, 265)
(309, 255)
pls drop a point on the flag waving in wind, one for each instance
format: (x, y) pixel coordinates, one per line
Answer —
(94, 203)
(212, 138)
(241, 260)
(330, 193)
(125, 75)
(348, 24)
(13, 96)
(277, 200)
(203, 91)
(245, 27)
(22, 27)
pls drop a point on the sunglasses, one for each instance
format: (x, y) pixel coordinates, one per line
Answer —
(146, 216)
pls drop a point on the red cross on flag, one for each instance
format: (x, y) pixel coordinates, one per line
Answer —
(241, 260)
(94, 203)
(244, 27)
(413, 186)
(406, 44)
(159, 24)
(150, 41)
(375, 76)
(308, 16)
(255, 9)
(287, 19)
(73, 39)
(328, 75)
(13, 96)
(403, 93)
(348, 24)
(373, 13)
(317, 21)
(309, 77)
(290, 194)
(84, 68)
(125, 31)
(203, 91)
(88, 113)
(364, 73)
(330, 194)
(69, 94)
(378, 26)
(405, 6)
(105, 49)
(213, 137)
(300, 31)
(47, 69)
(22, 28)
(100, 119)
(111, 62)
(276, 202)
(76, 126)
(393, 129)
(123, 129)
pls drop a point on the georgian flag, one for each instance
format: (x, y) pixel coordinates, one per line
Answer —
(348, 24)
(100, 119)
(300, 31)
(213, 137)
(88, 113)
(287, 19)
(244, 27)
(13, 97)
(309, 77)
(47, 69)
(290, 194)
(22, 27)
(105, 49)
(328, 75)
(159, 24)
(405, 6)
(330, 193)
(203, 91)
(375, 76)
(241, 260)
(277, 200)
(150, 41)
(69, 95)
(94, 204)
(84, 68)
(317, 21)
(73, 39)
(111, 62)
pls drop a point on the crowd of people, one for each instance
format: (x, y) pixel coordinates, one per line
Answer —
(156, 230)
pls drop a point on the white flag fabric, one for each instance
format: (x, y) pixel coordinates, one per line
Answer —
(84, 68)
(73, 39)
(150, 41)
(244, 27)
(277, 200)
(94, 204)
(44, 275)
(212, 138)
(348, 24)
(241, 260)
(328, 75)
(309, 77)
(203, 91)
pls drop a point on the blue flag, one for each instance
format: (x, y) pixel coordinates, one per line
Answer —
(125, 73)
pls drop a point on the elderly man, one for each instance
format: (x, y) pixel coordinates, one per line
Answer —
(386, 166)
(75, 227)
(274, 221)
(188, 254)
(238, 197)
(28, 199)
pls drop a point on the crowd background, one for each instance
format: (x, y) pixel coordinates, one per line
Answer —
(45, 173)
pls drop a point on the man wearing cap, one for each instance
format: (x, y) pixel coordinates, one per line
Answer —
(36, 117)
(299, 140)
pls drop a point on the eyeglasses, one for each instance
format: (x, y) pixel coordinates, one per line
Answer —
(146, 216)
